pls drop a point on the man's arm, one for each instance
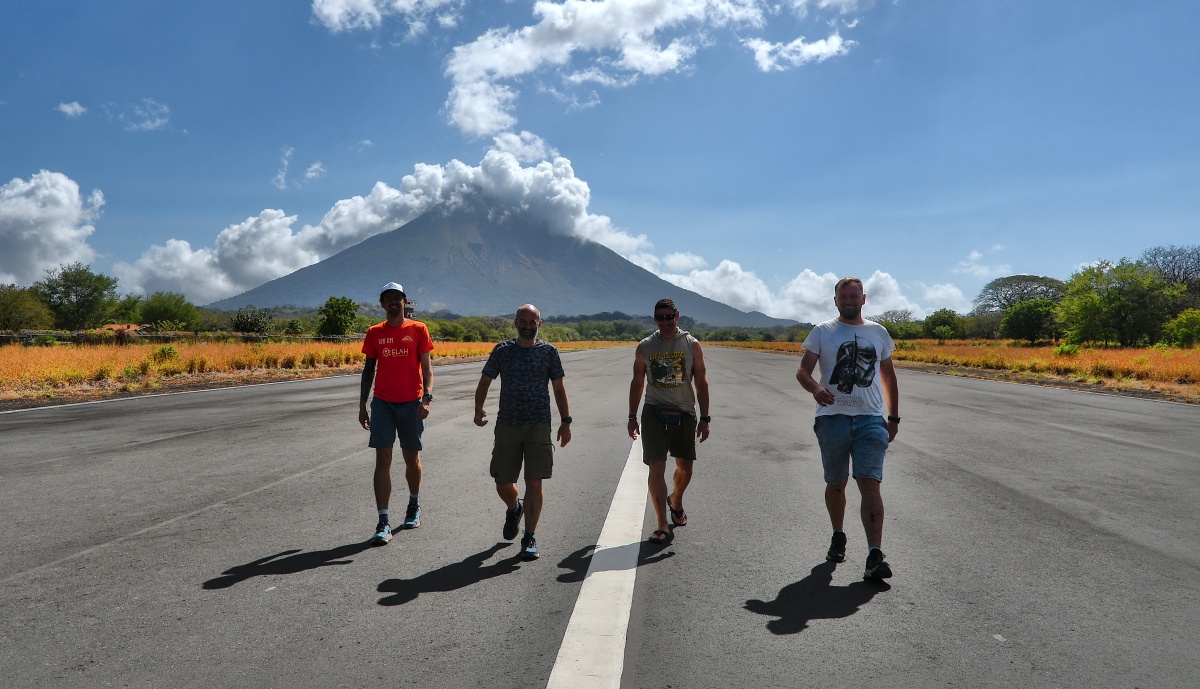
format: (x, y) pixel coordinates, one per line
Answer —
(891, 396)
(481, 392)
(636, 386)
(700, 380)
(804, 375)
(426, 382)
(564, 410)
(368, 377)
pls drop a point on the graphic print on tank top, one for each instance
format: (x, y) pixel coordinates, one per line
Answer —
(666, 369)
(855, 365)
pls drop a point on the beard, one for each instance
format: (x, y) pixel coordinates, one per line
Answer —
(527, 333)
(850, 313)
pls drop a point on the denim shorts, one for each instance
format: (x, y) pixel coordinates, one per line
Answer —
(389, 420)
(842, 437)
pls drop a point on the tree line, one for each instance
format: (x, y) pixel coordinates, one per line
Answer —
(1154, 299)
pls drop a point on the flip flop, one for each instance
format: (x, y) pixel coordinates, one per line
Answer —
(678, 517)
(660, 536)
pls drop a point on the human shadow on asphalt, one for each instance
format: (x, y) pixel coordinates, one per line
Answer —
(287, 562)
(579, 561)
(813, 598)
(451, 577)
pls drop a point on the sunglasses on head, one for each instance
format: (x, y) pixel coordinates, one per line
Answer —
(665, 316)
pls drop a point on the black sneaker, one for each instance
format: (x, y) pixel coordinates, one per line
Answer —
(529, 549)
(512, 521)
(877, 566)
(837, 547)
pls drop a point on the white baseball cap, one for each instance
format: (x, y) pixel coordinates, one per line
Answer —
(392, 286)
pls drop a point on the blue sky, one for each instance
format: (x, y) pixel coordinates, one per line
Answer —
(751, 151)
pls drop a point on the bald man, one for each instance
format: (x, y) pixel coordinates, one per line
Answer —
(527, 365)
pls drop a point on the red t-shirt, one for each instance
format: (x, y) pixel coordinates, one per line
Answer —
(397, 352)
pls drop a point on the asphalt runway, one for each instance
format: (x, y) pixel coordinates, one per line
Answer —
(1040, 538)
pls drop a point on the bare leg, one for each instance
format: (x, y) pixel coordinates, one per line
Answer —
(872, 510)
(681, 479)
(383, 476)
(412, 470)
(835, 502)
(533, 503)
(507, 493)
(657, 483)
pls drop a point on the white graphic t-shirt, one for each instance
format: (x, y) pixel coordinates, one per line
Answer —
(849, 365)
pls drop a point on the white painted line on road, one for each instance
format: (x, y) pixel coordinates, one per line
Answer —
(592, 654)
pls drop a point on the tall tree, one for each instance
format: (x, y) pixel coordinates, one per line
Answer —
(170, 307)
(1178, 265)
(79, 298)
(1029, 320)
(337, 316)
(1127, 301)
(22, 309)
(1175, 263)
(946, 319)
(1002, 294)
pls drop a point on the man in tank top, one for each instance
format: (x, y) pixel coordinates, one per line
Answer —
(669, 367)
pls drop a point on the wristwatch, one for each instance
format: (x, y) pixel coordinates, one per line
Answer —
(566, 419)
(705, 419)
(428, 397)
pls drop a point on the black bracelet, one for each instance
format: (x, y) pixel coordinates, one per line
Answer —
(705, 419)
(893, 418)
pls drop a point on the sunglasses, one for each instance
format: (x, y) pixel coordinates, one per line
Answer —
(665, 316)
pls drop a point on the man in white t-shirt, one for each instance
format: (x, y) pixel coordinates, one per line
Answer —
(857, 380)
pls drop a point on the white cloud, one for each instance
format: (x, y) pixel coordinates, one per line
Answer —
(777, 57)
(285, 159)
(681, 262)
(265, 247)
(808, 297)
(314, 171)
(348, 15)
(525, 147)
(946, 296)
(626, 39)
(147, 116)
(72, 109)
(974, 265)
(246, 255)
(44, 223)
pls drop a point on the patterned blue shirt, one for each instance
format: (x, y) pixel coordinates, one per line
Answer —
(527, 371)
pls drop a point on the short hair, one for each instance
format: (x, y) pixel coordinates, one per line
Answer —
(665, 304)
(847, 281)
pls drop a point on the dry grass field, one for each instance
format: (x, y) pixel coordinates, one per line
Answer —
(1170, 373)
(31, 376)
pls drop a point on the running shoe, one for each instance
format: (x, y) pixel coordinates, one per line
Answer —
(383, 534)
(512, 520)
(529, 549)
(837, 547)
(412, 517)
(877, 566)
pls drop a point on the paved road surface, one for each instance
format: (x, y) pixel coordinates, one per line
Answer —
(1040, 537)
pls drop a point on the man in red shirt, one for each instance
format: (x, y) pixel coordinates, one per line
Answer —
(399, 365)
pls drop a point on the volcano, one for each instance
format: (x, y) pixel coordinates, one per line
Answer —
(472, 262)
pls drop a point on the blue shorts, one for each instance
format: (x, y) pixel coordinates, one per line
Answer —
(389, 420)
(842, 437)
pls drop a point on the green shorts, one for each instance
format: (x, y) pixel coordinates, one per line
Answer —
(528, 443)
(659, 439)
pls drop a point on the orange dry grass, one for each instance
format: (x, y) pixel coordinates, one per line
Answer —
(67, 369)
(1179, 366)
(1173, 371)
